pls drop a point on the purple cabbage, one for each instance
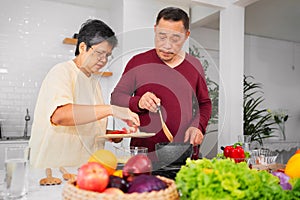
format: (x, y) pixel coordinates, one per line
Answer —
(117, 182)
(284, 180)
(286, 186)
(146, 183)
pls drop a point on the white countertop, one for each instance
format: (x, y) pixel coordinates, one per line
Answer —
(38, 192)
(13, 141)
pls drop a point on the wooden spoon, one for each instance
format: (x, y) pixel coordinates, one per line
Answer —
(164, 126)
(66, 175)
(49, 180)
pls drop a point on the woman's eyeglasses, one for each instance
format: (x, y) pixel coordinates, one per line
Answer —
(102, 54)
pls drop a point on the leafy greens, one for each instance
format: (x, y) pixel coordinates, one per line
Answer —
(225, 179)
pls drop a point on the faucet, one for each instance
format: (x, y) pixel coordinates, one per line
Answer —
(27, 118)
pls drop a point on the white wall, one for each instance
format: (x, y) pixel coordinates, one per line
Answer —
(275, 64)
(31, 37)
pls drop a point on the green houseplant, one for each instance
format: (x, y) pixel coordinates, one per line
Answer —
(257, 121)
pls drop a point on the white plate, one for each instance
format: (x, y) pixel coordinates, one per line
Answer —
(130, 135)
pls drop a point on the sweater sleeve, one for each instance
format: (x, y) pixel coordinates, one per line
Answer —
(123, 93)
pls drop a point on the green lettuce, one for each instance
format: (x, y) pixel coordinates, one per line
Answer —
(295, 192)
(225, 179)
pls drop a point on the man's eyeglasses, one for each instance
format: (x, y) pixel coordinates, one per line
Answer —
(102, 54)
(172, 38)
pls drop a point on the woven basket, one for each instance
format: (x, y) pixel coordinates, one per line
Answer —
(70, 192)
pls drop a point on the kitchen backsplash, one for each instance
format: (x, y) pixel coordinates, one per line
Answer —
(31, 38)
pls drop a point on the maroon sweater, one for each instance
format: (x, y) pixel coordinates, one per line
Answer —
(183, 92)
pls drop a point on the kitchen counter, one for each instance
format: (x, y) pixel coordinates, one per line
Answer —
(38, 192)
(19, 141)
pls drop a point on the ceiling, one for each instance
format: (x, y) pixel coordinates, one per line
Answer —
(87, 3)
(278, 19)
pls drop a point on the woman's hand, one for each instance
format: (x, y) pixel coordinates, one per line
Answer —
(125, 114)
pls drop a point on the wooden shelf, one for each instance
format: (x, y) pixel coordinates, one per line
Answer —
(71, 41)
(106, 74)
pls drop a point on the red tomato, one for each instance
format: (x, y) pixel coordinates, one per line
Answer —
(118, 132)
(92, 176)
(123, 131)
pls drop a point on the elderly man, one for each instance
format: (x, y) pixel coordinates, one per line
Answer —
(170, 77)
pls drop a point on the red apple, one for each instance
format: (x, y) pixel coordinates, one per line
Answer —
(92, 176)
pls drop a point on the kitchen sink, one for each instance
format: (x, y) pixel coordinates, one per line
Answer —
(6, 138)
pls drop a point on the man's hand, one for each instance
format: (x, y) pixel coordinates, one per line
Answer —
(149, 102)
(194, 135)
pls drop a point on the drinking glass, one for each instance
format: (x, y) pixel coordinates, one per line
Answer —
(138, 150)
(124, 153)
(245, 140)
(16, 165)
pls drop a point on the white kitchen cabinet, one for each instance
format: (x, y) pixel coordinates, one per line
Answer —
(11, 143)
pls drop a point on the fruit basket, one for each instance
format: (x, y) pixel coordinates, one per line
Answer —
(71, 192)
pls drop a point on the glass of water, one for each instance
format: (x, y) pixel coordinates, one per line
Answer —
(16, 165)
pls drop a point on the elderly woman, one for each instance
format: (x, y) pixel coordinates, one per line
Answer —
(70, 112)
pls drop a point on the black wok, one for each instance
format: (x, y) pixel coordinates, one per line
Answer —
(173, 153)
